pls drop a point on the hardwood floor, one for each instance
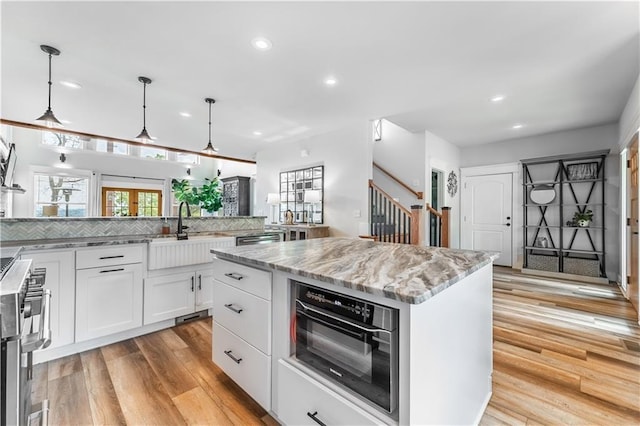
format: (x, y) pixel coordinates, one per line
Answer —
(164, 378)
(564, 353)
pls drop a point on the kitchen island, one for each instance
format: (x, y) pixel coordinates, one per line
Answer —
(443, 298)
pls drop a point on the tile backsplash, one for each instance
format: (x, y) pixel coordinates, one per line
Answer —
(55, 228)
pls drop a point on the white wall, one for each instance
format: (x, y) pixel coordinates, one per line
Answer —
(402, 154)
(346, 156)
(567, 142)
(444, 156)
(31, 153)
(630, 119)
(512, 150)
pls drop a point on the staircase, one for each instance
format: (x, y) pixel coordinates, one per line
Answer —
(389, 221)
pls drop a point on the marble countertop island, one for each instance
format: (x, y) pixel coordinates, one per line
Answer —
(407, 273)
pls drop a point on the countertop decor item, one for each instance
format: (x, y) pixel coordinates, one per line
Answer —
(144, 135)
(581, 171)
(48, 118)
(583, 219)
(210, 149)
(273, 199)
(452, 184)
(542, 194)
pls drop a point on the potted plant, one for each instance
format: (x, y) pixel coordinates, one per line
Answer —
(583, 219)
(209, 195)
(183, 191)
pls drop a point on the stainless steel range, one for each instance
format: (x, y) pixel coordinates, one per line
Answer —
(24, 328)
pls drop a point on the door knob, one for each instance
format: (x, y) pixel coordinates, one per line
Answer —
(508, 217)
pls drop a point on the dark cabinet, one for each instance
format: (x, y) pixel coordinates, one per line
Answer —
(236, 196)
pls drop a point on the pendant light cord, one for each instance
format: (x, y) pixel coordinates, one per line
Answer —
(49, 105)
(210, 123)
(144, 105)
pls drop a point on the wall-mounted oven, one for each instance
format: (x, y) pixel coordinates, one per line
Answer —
(351, 341)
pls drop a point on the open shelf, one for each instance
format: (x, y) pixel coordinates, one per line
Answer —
(576, 183)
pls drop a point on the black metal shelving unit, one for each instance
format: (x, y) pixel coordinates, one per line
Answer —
(551, 242)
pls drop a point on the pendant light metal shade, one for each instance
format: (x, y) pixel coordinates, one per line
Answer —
(210, 149)
(144, 135)
(48, 118)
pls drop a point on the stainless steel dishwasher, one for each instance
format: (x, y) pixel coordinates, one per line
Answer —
(264, 238)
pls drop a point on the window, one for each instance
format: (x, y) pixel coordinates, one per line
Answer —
(60, 195)
(183, 157)
(63, 139)
(113, 147)
(158, 154)
(131, 202)
(195, 209)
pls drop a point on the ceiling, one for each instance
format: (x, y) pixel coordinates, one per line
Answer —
(423, 65)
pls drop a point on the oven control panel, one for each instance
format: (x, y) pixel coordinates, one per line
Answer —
(349, 307)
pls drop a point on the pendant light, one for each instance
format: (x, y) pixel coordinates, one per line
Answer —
(210, 149)
(144, 135)
(48, 118)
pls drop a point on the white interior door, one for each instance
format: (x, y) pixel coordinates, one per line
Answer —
(487, 215)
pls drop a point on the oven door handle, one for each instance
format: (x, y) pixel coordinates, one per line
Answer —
(357, 334)
(42, 338)
(351, 324)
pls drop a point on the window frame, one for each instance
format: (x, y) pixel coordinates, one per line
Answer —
(133, 199)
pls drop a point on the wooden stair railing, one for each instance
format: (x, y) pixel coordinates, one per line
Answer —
(391, 222)
(443, 223)
(416, 194)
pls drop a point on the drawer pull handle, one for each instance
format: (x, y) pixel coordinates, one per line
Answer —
(237, 360)
(316, 419)
(234, 275)
(230, 307)
(111, 257)
(111, 270)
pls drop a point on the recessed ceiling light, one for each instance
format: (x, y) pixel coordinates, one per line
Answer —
(185, 114)
(497, 98)
(261, 43)
(257, 133)
(330, 81)
(71, 84)
(517, 126)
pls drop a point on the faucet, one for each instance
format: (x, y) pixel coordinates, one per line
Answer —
(180, 234)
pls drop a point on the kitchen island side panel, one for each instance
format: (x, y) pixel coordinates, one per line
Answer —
(451, 362)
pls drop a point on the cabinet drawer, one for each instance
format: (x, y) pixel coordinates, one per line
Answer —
(251, 369)
(244, 314)
(106, 256)
(251, 280)
(299, 394)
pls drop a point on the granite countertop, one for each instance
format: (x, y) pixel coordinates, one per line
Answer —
(62, 243)
(407, 273)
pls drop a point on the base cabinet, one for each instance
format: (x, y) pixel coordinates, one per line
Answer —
(246, 365)
(304, 401)
(60, 280)
(108, 300)
(180, 293)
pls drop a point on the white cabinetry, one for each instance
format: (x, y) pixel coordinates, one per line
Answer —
(242, 327)
(109, 290)
(308, 399)
(178, 293)
(60, 280)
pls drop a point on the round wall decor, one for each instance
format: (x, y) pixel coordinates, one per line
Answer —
(452, 184)
(543, 194)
